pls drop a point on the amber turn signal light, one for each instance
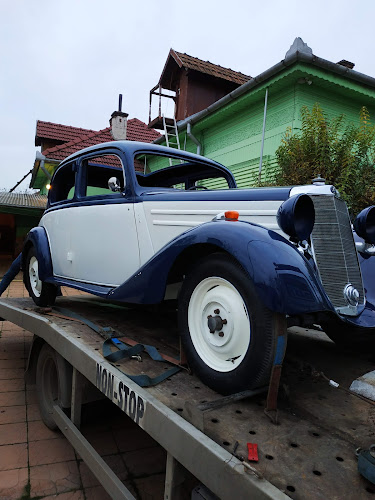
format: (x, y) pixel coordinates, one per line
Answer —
(231, 215)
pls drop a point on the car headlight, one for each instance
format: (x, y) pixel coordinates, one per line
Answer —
(296, 217)
(364, 224)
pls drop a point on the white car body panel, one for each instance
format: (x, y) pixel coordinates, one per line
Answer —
(106, 244)
(167, 220)
(100, 245)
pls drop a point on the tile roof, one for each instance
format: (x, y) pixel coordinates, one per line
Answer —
(24, 200)
(57, 132)
(211, 69)
(136, 131)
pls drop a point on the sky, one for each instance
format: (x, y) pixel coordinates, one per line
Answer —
(66, 61)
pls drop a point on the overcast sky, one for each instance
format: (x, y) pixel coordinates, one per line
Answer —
(66, 61)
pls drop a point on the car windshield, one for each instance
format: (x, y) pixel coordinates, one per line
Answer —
(174, 173)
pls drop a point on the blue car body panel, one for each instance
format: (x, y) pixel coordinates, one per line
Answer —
(37, 237)
(279, 272)
(367, 318)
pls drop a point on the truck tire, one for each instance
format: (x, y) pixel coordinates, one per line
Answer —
(42, 293)
(228, 335)
(53, 383)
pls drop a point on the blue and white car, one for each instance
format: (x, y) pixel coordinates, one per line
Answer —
(140, 223)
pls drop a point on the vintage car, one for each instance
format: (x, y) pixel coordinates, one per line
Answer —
(140, 223)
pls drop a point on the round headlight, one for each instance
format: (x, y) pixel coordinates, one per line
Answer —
(296, 217)
(364, 224)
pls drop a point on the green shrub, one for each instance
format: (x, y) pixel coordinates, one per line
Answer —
(342, 153)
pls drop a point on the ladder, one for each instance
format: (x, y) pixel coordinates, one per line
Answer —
(171, 135)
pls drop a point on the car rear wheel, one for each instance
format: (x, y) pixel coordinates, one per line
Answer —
(228, 335)
(42, 293)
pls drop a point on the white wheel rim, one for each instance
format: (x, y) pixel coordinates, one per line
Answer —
(224, 349)
(35, 283)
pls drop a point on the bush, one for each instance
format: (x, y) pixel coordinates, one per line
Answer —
(342, 153)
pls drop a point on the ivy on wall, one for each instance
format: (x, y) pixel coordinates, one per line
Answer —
(341, 152)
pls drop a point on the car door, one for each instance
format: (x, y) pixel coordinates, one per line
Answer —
(103, 237)
(96, 238)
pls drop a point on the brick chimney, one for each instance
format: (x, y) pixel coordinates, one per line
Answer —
(118, 124)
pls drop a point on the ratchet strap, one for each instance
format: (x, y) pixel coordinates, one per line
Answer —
(124, 351)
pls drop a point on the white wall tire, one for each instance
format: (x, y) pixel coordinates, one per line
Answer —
(42, 293)
(228, 335)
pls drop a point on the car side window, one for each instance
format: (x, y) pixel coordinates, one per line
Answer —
(100, 174)
(63, 184)
(161, 171)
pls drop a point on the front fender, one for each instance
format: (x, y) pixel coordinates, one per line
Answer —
(284, 279)
(37, 238)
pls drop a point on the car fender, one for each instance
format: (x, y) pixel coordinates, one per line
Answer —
(38, 239)
(285, 281)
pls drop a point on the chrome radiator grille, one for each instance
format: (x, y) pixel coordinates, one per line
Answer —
(334, 249)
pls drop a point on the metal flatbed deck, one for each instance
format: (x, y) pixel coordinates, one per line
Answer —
(310, 455)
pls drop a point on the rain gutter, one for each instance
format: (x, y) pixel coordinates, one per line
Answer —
(269, 73)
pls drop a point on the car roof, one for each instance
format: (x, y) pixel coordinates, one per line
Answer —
(135, 146)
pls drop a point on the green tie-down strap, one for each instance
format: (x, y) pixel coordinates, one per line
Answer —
(126, 352)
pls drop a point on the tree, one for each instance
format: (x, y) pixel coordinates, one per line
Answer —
(341, 152)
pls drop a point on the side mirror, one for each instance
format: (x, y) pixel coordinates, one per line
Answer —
(114, 184)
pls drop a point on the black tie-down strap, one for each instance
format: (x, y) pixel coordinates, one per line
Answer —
(126, 352)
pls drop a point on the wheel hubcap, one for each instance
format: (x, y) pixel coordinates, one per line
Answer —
(35, 283)
(219, 324)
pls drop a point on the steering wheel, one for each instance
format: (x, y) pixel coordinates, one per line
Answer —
(193, 188)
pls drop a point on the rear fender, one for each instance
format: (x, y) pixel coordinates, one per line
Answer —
(37, 238)
(285, 281)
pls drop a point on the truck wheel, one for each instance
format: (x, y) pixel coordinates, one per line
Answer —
(43, 294)
(53, 383)
(228, 335)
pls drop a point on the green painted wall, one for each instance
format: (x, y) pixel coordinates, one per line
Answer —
(233, 134)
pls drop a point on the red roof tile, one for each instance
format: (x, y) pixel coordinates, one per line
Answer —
(58, 132)
(210, 68)
(136, 131)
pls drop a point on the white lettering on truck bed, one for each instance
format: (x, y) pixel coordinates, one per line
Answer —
(118, 392)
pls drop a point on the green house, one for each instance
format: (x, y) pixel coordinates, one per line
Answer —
(243, 129)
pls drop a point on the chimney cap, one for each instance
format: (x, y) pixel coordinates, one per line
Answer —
(346, 63)
(119, 113)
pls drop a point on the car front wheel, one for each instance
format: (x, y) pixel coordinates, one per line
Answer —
(228, 335)
(42, 293)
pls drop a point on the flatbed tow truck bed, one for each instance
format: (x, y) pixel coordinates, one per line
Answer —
(309, 455)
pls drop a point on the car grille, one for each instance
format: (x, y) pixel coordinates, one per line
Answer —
(334, 249)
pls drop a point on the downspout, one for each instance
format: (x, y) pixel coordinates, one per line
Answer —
(39, 156)
(263, 133)
(193, 138)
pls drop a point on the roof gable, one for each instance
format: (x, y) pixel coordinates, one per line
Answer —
(186, 61)
(209, 68)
